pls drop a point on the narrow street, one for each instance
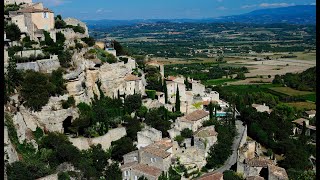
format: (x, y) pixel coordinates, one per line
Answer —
(236, 143)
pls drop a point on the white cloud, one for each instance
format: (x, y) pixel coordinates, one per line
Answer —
(222, 8)
(248, 6)
(101, 11)
(266, 5)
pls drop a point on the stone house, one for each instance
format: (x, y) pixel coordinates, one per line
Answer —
(192, 121)
(297, 129)
(205, 137)
(148, 161)
(172, 84)
(310, 114)
(133, 85)
(261, 107)
(33, 20)
(111, 51)
(211, 96)
(197, 87)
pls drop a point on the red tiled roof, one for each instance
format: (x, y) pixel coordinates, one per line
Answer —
(254, 178)
(156, 151)
(195, 115)
(130, 164)
(300, 121)
(211, 176)
(256, 162)
(311, 112)
(153, 171)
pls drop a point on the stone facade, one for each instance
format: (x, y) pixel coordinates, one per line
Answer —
(192, 121)
(45, 65)
(105, 140)
(261, 107)
(148, 161)
(197, 88)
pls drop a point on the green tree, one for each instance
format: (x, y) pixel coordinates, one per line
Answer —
(111, 58)
(177, 105)
(186, 133)
(57, 80)
(60, 38)
(132, 103)
(36, 90)
(12, 32)
(179, 139)
(84, 119)
(211, 110)
(14, 76)
(65, 58)
(113, 172)
(165, 90)
(89, 41)
(240, 76)
(121, 147)
(18, 170)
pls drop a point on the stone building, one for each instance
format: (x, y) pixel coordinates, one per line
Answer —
(297, 129)
(211, 176)
(276, 173)
(197, 88)
(205, 137)
(33, 20)
(133, 85)
(172, 84)
(310, 114)
(148, 161)
(261, 107)
(192, 121)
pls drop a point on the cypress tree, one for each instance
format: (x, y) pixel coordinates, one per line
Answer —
(177, 100)
(165, 90)
(211, 110)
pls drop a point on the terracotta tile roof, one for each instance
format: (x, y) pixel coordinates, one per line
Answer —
(156, 151)
(33, 10)
(171, 78)
(164, 144)
(254, 178)
(147, 170)
(195, 115)
(131, 77)
(206, 103)
(211, 176)
(127, 165)
(311, 112)
(300, 121)
(279, 172)
(206, 132)
(256, 162)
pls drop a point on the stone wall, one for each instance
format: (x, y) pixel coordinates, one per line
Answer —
(28, 53)
(45, 65)
(84, 143)
(131, 157)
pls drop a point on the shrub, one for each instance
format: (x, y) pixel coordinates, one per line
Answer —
(68, 103)
(151, 94)
(13, 32)
(186, 133)
(38, 133)
(179, 139)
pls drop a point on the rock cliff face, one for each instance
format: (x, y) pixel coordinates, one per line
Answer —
(50, 118)
(10, 154)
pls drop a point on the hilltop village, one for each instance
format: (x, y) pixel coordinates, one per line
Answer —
(84, 95)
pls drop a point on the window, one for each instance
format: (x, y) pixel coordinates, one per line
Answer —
(135, 158)
(153, 160)
(45, 15)
(126, 173)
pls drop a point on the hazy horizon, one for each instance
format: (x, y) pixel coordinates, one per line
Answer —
(165, 9)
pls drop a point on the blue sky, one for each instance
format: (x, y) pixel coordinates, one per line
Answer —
(157, 9)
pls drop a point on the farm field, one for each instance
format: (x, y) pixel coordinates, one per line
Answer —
(290, 92)
(218, 81)
(303, 105)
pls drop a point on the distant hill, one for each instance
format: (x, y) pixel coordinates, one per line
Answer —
(300, 14)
